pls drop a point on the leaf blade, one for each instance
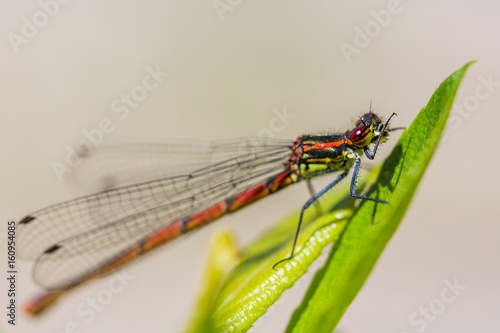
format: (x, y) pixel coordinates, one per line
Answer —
(361, 244)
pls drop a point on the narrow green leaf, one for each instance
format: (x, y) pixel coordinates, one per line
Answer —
(253, 289)
(222, 257)
(253, 286)
(373, 224)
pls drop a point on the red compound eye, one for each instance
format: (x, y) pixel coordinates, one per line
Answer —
(360, 136)
(357, 134)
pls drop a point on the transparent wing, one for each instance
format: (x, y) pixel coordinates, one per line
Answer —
(130, 161)
(90, 230)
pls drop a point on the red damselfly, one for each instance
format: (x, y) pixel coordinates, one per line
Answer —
(90, 236)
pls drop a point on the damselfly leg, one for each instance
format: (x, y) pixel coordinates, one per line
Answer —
(306, 205)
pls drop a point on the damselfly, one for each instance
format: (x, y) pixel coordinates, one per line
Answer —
(90, 236)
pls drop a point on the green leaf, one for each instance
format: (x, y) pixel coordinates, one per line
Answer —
(372, 225)
(222, 257)
(253, 286)
(358, 230)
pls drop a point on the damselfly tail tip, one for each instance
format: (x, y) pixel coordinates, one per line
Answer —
(40, 303)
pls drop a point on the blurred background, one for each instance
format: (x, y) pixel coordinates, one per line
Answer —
(227, 69)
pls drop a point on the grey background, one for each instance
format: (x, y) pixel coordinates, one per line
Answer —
(225, 79)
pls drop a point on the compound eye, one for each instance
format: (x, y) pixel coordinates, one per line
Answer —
(357, 133)
(359, 136)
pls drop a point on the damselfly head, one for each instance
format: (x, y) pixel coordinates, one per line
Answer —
(368, 129)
